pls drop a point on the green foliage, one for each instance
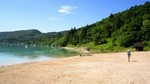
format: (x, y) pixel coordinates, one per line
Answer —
(146, 30)
(96, 39)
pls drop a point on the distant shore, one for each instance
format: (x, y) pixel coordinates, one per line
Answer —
(84, 51)
(105, 68)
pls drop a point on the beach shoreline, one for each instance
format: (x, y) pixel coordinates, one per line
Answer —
(103, 68)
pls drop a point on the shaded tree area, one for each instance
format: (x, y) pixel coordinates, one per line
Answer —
(125, 28)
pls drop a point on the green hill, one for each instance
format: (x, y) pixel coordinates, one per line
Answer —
(119, 30)
(31, 36)
(18, 36)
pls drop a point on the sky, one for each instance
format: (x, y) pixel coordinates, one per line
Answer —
(57, 15)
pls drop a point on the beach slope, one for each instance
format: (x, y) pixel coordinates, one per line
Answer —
(106, 68)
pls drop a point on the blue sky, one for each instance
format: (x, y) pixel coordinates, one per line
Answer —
(57, 15)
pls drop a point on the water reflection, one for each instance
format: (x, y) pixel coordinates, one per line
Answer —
(33, 52)
(22, 53)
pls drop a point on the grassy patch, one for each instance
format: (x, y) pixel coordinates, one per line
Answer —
(106, 48)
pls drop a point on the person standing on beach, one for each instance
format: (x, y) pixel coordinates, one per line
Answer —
(129, 54)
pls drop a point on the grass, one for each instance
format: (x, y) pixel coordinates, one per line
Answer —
(106, 48)
(147, 48)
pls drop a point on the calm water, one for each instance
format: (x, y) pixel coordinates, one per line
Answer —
(14, 54)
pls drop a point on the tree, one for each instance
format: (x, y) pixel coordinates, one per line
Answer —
(96, 39)
(146, 30)
(99, 36)
(83, 34)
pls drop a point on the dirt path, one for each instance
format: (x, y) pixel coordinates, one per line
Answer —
(108, 68)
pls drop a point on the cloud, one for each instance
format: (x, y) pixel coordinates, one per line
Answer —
(66, 9)
(53, 18)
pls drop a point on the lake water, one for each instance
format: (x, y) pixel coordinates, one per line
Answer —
(15, 54)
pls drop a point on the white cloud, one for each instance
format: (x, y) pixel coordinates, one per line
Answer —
(53, 18)
(66, 9)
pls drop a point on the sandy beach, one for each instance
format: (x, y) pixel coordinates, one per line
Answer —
(106, 68)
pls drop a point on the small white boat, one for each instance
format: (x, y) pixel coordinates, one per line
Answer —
(26, 46)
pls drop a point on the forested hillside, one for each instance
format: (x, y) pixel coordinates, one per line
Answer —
(18, 36)
(32, 36)
(120, 29)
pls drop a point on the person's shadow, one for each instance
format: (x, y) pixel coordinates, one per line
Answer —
(133, 61)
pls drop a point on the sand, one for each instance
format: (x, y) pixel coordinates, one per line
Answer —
(107, 68)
